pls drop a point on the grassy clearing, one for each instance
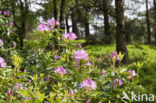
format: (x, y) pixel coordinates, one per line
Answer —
(145, 54)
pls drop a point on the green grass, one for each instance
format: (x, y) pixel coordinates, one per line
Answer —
(145, 54)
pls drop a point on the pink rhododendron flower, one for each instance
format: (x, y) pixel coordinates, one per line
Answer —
(103, 72)
(14, 44)
(132, 74)
(9, 92)
(52, 22)
(71, 92)
(7, 13)
(89, 83)
(47, 78)
(117, 81)
(69, 36)
(2, 62)
(43, 27)
(79, 45)
(81, 55)
(88, 101)
(61, 71)
(1, 42)
(18, 86)
(57, 57)
(11, 24)
(114, 57)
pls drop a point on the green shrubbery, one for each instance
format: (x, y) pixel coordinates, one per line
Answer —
(66, 74)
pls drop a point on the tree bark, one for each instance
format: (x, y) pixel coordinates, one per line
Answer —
(56, 10)
(87, 30)
(74, 23)
(67, 24)
(148, 23)
(154, 4)
(23, 25)
(120, 30)
(106, 23)
(56, 16)
(62, 14)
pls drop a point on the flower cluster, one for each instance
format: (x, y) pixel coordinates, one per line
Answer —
(11, 24)
(114, 57)
(89, 83)
(1, 42)
(50, 26)
(81, 55)
(52, 22)
(18, 86)
(43, 27)
(2, 62)
(132, 74)
(10, 92)
(117, 81)
(7, 13)
(69, 36)
(61, 71)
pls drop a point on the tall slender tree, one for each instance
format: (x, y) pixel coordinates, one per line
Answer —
(148, 23)
(106, 22)
(74, 22)
(120, 30)
(154, 4)
(62, 14)
(56, 10)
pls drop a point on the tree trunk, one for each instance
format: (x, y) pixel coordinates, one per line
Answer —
(56, 10)
(56, 16)
(67, 24)
(74, 23)
(106, 22)
(23, 25)
(120, 30)
(62, 14)
(87, 30)
(154, 3)
(148, 23)
(25, 17)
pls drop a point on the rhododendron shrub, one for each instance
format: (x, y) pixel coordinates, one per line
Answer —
(61, 75)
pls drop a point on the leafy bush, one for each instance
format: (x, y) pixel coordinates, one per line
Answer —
(58, 70)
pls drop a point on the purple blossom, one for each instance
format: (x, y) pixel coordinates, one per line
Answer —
(14, 44)
(57, 57)
(69, 36)
(43, 27)
(1, 42)
(132, 74)
(71, 92)
(114, 56)
(10, 31)
(7, 13)
(0, 12)
(88, 63)
(117, 81)
(79, 45)
(61, 71)
(9, 92)
(88, 101)
(18, 86)
(103, 72)
(52, 22)
(47, 78)
(80, 55)
(29, 81)
(89, 83)
(11, 24)
(2, 62)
